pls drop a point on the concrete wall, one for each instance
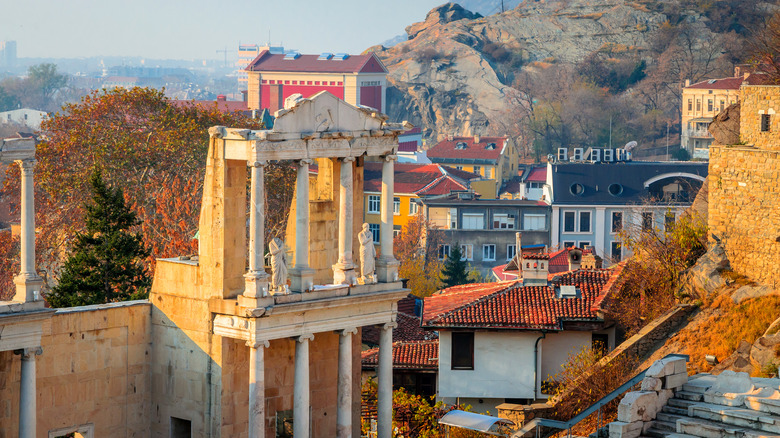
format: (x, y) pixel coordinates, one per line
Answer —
(556, 348)
(94, 370)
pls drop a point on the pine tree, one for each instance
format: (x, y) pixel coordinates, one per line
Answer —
(106, 264)
(454, 272)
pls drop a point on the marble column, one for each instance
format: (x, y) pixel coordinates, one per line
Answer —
(27, 393)
(387, 265)
(385, 382)
(344, 269)
(28, 283)
(256, 279)
(344, 415)
(301, 387)
(257, 389)
(301, 276)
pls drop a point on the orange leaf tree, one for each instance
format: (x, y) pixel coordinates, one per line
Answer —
(417, 247)
(154, 150)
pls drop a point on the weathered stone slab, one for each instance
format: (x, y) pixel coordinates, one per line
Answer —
(651, 384)
(621, 429)
(665, 367)
(638, 406)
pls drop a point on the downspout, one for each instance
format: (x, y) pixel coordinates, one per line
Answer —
(536, 359)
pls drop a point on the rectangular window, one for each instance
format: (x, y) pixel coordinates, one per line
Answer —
(373, 204)
(467, 252)
(374, 228)
(616, 252)
(698, 105)
(584, 222)
(396, 231)
(583, 244)
(453, 218)
(503, 221)
(478, 170)
(568, 244)
(617, 221)
(413, 208)
(766, 122)
(709, 105)
(534, 222)
(722, 105)
(669, 222)
(396, 206)
(690, 105)
(488, 252)
(569, 218)
(647, 221)
(444, 252)
(489, 172)
(511, 250)
(473, 221)
(462, 351)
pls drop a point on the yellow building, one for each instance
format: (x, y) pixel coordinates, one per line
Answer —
(704, 100)
(412, 182)
(494, 158)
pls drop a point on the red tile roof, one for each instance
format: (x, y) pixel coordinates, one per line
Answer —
(538, 174)
(501, 275)
(225, 106)
(419, 179)
(267, 61)
(732, 83)
(407, 146)
(447, 149)
(509, 305)
(407, 355)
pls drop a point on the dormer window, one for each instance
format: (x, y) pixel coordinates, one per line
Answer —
(460, 145)
(490, 146)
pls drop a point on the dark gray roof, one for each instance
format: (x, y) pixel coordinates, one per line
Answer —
(439, 202)
(631, 176)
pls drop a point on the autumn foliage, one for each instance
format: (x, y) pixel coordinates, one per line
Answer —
(152, 149)
(416, 247)
(9, 263)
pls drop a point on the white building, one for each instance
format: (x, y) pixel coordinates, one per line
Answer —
(24, 116)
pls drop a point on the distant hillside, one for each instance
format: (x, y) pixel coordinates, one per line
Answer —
(458, 70)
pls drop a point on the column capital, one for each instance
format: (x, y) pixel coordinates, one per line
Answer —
(347, 159)
(389, 325)
(258, 344)
(260, 163)
(28, 164)
(306, 337)
(347, 331)
(304, 162)
(27, 352)
(390, 157)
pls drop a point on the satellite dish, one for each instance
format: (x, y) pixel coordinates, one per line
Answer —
(630, 145)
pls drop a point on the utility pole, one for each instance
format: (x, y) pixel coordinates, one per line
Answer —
(225, 51)
(502, 6)
(610, 132)
(668, 158)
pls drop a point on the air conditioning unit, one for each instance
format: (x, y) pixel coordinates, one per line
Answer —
(609, 155)
(563, 154)
(577, 155)
(620, 155)
(594, 155)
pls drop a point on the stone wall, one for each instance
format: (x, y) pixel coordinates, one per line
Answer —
(758, 100)
(94, 370)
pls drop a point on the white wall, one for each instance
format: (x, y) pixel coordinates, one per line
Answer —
(503, 366)
(556, 348)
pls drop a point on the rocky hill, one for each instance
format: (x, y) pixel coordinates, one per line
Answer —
(453, 74)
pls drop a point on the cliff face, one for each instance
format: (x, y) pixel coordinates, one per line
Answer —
(452, 75)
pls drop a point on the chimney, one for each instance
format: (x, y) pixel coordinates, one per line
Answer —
(449, 137)
(518, 246)
(737, 71)
(575, 259)
(221, 98)
(476, 139)
(590, 260)
(687, 82)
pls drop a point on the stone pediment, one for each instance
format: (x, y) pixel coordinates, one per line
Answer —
(325, 112)
(12, 149)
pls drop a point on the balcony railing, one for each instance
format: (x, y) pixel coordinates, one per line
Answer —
(698, 133)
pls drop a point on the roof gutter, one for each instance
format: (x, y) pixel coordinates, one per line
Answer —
(536, 359)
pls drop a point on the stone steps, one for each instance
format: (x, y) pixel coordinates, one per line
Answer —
(673, 410)
(737, 417)
(690, 396)
(679, 403)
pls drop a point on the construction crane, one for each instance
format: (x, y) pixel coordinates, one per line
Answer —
(225, 51)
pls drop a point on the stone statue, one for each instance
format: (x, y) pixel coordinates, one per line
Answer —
(367, 255)
(278, 265)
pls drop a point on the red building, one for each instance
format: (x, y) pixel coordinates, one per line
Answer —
(357, 79)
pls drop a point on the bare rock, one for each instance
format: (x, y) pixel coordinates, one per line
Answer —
(443, 14)
(704, 277)
(763, 351)
(725, 126)
(747, 292)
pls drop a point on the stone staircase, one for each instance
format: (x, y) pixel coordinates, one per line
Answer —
(730, 405)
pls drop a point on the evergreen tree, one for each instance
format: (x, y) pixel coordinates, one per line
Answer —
(106, 264)
(454, 272)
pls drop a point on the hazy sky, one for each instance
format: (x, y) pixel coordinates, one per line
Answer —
(196, 29)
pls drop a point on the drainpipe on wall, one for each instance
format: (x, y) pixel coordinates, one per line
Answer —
(536, 359)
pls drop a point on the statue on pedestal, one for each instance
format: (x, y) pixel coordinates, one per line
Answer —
(367, 255)
(278, 265)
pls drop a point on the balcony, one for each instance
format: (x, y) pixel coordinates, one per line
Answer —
(697, 133)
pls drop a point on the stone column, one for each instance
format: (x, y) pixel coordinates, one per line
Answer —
(257, 389)
(344, 269)
(256, 279)
(385, 382)
(28, 283)
(387, 265)
(27, 393)
(301, 276)
(301, 387)
(344, 415)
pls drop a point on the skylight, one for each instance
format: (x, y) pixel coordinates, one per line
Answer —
(291, 55)
(325, 56)
(340, 56)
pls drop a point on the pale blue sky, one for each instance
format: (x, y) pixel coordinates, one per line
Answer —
(196, 29)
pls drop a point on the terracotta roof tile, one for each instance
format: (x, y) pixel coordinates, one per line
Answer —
(448, 148)
(510, 305)
(538, 174)
(407, 355)
(419, 179)
(409, 329)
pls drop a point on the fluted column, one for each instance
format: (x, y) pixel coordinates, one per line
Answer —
(344, 414)
(257, 389)
(301, 276)
(387, 265)
(385, 382)
(256, 279)
(301, 387)
(344, 269)
(28, 283)
(27, 393)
